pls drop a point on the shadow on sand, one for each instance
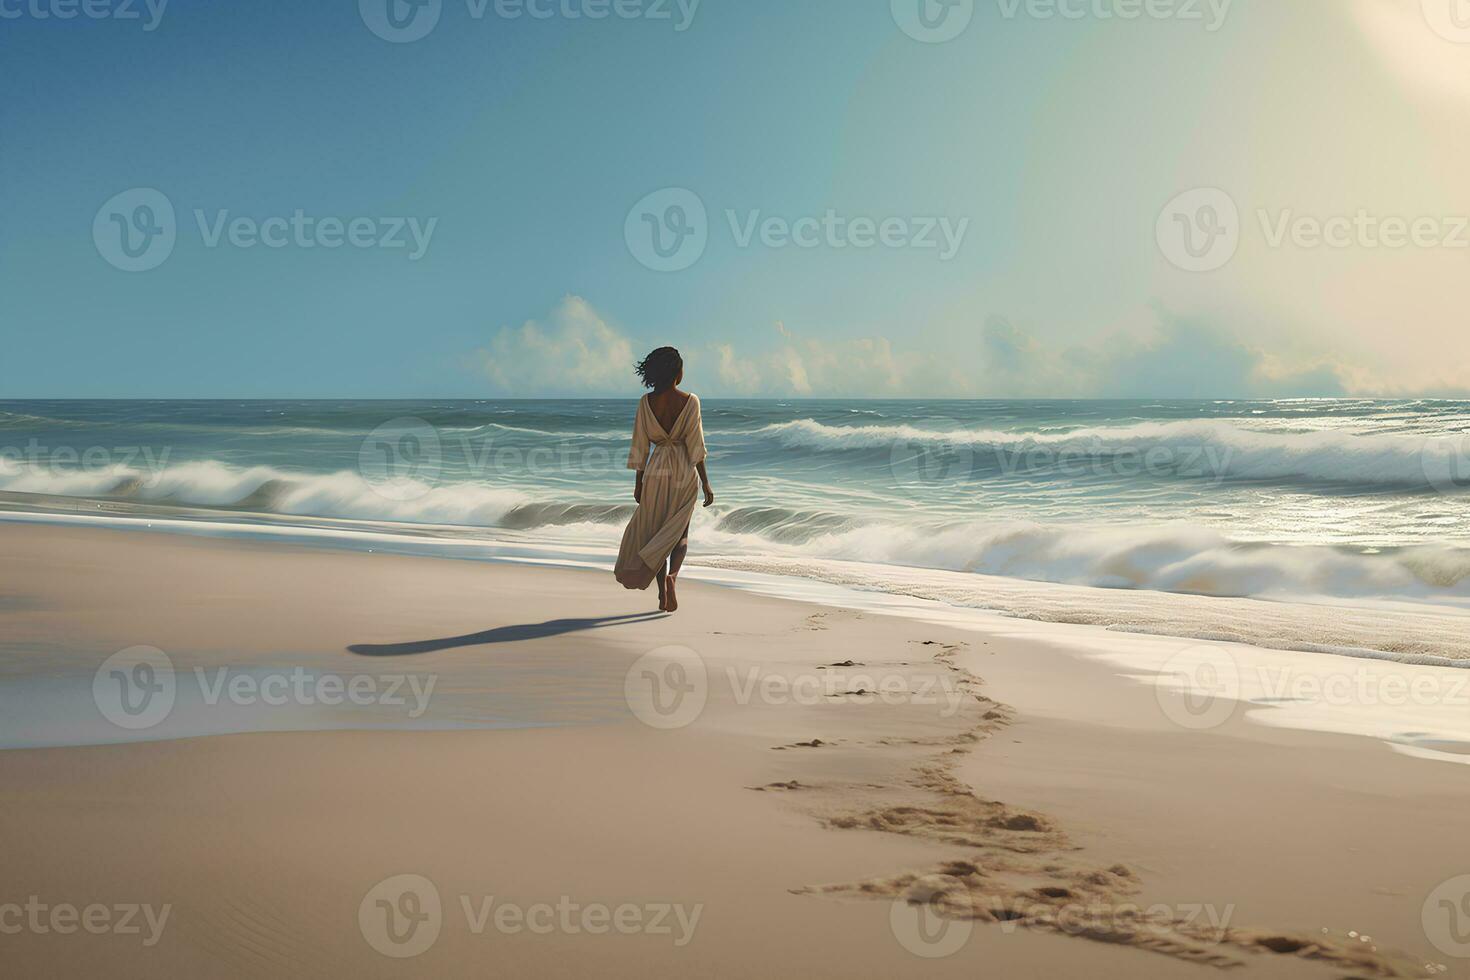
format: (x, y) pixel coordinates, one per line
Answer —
(500, 634)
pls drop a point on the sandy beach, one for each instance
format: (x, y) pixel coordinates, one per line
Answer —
(658, 489)
(751, 787)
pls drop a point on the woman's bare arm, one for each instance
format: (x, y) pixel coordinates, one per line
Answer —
(709, 494)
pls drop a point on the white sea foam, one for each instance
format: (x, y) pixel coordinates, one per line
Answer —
(209, 483)
(1178, 558)
(1384, 628)
(1411, 633)
(1165, 559)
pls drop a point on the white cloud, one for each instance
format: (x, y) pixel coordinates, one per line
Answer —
(1163, 356)
(848, 367)
(575, 352)
(736, 375)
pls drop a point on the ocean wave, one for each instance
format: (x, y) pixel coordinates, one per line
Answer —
(527, 517)
(23, 420)
(501, 427)
(1178, 558)
(1182, 559)
(209, 483)
(1205, 448)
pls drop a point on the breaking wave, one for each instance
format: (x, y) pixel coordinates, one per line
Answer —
(1179, 558)
(210, 483)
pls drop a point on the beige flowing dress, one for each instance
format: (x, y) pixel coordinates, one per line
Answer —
(670, 491)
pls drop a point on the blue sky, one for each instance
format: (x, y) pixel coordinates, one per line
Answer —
(1046, 145)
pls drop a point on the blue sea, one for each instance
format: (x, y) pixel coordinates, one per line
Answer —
(1324, 502)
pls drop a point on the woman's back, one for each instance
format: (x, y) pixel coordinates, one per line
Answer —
(667, 406)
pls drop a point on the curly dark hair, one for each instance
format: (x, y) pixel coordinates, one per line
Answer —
(661, 369)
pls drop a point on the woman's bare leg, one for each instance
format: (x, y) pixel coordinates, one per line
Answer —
(662, 586)
(676, 558)
(676, 561)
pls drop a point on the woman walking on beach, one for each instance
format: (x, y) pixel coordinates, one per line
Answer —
(668, 482)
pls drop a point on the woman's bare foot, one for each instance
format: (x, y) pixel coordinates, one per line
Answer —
(671, 602)
(661, 592)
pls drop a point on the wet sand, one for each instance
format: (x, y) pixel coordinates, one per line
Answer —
(751, 787)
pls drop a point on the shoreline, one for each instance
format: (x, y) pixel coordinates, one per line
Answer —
(840, 761)
(1413, 702)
